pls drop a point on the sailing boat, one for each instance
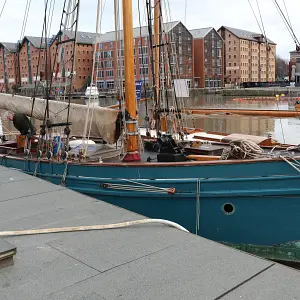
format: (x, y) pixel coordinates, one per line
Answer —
(248, 203)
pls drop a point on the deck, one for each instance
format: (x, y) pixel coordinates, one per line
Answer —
(142, 262)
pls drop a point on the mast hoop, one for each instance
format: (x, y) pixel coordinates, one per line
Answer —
(135, 133)
(131, 121)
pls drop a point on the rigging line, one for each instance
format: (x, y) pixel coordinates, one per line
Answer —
(287, 13)
(282, 131)
(49, 26)
(98, 36)
(280, 13)
(266, 41)
(117, 33)
(255, 16)
(44, 31)
(120, 40)
(118, 47)
(46, 114)
(174, 55)
(143, 69)
(262, 23)
(98, 13)
(60, 60)
(3, 8)
(57, 44)
(22, 33)
(165, 61)
(23, 26)
(46, 63)
(25, 18)
(262, 30)
(185, 11)
(291, 31)
(74, 51)
(38, 64)
(150, 31)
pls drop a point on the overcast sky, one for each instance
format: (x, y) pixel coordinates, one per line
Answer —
(200, 13)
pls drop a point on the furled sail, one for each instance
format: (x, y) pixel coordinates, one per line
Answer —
(103, 122)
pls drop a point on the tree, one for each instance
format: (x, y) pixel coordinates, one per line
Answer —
(282, 68)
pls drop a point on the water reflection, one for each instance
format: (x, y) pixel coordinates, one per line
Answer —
(284, 130)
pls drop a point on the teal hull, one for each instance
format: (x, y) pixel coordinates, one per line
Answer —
(253, 204)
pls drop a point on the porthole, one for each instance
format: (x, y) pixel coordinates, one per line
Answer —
(228, 209)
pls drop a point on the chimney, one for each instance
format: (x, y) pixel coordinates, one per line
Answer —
(7, 252)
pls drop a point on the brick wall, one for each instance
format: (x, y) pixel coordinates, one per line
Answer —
(82, 66)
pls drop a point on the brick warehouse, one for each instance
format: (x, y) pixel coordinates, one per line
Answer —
(205, 58)
(30, 68)
(9, 70)
(107, 55)
(83, 58)
(246, 56)
(208, 58)
(294, 57)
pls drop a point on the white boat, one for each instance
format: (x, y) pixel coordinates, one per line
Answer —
(1, 132)
(91, 92)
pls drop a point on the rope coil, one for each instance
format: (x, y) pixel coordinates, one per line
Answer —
(242, 149)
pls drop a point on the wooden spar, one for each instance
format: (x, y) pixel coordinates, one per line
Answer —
(130, 100)
(156, 46)
(157, 43)
(246, 112)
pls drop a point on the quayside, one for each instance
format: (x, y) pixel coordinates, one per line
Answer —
(243, 191)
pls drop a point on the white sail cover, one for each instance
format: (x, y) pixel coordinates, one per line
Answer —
(103, 122)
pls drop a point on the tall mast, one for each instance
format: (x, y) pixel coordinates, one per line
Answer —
(130, 98)
(157, 45)
(157, 61)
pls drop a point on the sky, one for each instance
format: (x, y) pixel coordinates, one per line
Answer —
(199, 13)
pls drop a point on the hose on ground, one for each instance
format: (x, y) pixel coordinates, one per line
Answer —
(92, 227)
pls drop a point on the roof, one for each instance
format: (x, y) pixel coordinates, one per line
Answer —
(245, 34)
(151, 261)
(137, 32)
(295, 52)
(36, 41)
(87, 38)
(201, 32)
(11, 47)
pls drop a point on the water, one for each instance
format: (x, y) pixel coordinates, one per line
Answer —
(286, 130)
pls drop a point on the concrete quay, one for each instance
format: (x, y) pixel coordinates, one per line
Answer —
(150, 261)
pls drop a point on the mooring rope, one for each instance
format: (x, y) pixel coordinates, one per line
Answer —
(138, 187)
(293, 165)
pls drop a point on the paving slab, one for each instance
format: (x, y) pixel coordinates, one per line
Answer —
(22, 189)
(276, 283)
(11, 176)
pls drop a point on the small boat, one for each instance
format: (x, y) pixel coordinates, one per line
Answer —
(92, 93)
(2, 138)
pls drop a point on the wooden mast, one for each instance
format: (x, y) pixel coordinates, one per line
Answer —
(130, 96)
(157, 44)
